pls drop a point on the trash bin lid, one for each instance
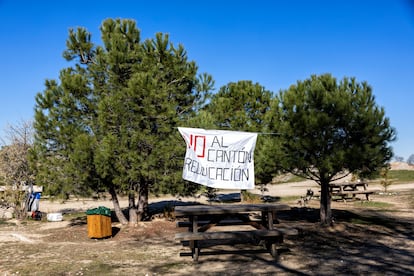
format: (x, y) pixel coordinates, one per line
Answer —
(101, 210)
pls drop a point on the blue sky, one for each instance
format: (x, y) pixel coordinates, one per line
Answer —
(274, 43)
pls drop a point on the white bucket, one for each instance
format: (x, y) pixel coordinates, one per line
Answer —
(54, 217)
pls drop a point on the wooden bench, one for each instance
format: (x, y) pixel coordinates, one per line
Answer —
(268, 238)
(227, 222)
(245, 234)
(352, 194)
(348, 190)
(205, 226)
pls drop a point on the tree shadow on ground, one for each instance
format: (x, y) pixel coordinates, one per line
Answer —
(77, 221)
(166, 207)
(356, 244)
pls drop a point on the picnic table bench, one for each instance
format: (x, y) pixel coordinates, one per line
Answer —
(204, 223)
(348, 190)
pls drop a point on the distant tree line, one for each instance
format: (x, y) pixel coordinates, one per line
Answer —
(109, 122)
(410, 159)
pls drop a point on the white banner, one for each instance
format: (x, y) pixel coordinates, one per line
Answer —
(219, 158)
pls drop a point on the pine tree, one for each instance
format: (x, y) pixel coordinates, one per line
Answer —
(329, 129)
(243, 106)
(110, 123)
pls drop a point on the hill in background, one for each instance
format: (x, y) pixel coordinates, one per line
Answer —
(401, 166)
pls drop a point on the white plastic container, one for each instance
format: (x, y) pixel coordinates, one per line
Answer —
(54, 217)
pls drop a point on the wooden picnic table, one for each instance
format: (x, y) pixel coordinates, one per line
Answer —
(349, 189)
(204, 223)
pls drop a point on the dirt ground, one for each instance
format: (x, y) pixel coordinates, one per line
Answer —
(373, 237)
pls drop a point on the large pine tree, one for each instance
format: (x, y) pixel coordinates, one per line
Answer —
(328, 129)
(110, 122)
(242, 106)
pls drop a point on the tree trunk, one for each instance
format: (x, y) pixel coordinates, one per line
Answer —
(325, 206)
(133, 216)
(117, 208)
(143, 202)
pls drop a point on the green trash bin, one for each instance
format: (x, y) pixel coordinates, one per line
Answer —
(99, 222)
